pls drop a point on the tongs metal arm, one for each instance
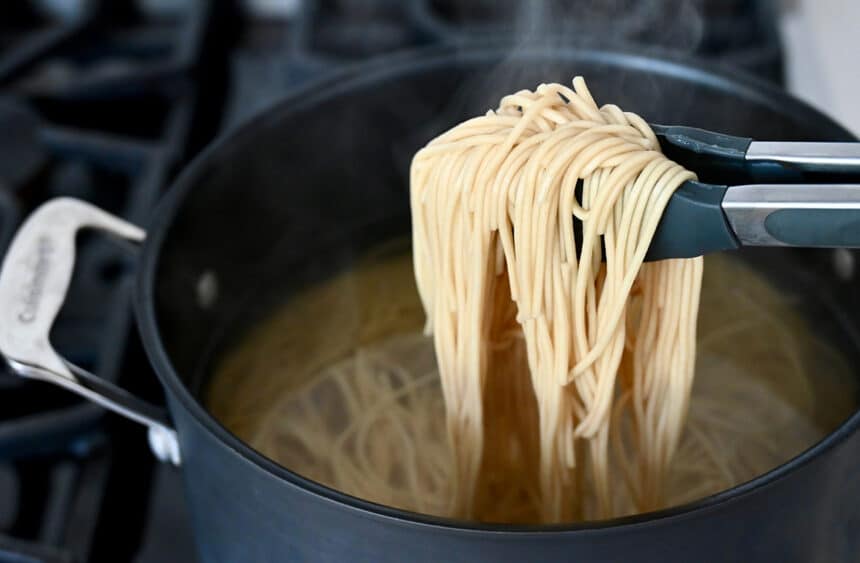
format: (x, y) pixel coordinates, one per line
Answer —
(834, 158)
(705, 218)
(817, 215)
(727, 159)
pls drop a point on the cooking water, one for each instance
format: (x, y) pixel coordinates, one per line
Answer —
(340, 385)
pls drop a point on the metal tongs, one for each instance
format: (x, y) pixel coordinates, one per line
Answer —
(759, 193)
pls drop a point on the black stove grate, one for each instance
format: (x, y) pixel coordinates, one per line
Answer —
(103, 106)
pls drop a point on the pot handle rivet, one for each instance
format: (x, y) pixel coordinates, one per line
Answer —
(34, 281)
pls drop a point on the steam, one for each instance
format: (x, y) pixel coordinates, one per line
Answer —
(539, 30)
(327, 34)
(674, 24)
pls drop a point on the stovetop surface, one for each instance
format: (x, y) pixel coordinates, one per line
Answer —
(105, 100)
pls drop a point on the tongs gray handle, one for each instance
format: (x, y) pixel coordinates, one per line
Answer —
(816, 215)
(34, 280)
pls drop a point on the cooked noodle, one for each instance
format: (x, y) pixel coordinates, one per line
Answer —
(493, 202)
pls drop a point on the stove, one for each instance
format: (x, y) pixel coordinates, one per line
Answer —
(106, 100)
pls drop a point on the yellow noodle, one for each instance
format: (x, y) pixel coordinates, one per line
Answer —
(572, 297)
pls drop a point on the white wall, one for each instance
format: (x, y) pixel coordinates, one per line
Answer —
(822, 42)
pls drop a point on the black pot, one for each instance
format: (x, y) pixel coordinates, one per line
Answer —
(298, 192)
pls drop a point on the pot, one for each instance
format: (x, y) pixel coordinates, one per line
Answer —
(293, 196)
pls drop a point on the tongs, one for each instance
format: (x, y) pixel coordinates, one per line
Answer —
(758, 193)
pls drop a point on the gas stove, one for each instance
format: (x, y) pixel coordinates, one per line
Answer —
(105, 101)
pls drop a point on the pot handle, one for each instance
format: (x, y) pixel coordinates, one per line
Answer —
(34, 280)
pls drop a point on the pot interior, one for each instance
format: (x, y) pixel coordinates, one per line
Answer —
(320, 184)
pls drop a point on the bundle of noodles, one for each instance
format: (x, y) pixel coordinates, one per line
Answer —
(554, 348)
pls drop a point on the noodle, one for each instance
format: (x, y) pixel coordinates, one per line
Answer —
(492, 201)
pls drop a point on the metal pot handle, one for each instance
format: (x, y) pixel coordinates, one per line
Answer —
(34, 281)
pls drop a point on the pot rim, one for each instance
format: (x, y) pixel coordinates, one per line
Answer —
(327, 86)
